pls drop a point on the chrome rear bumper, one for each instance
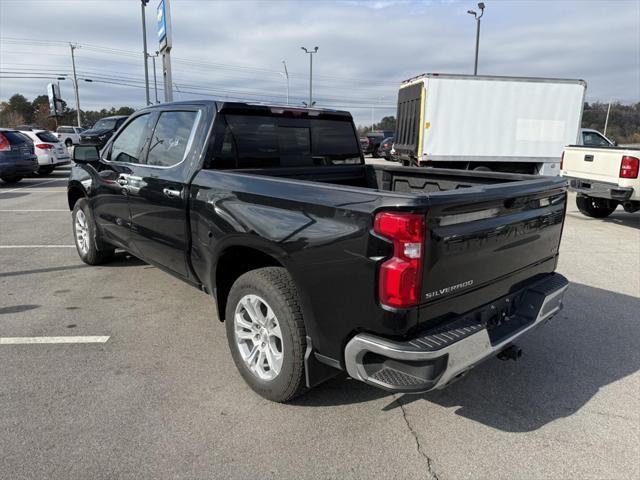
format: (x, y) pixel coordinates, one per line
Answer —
(436, 358)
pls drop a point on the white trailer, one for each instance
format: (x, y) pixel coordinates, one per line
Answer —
(508, 124)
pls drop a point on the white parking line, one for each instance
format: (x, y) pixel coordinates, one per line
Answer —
(41, 210)
(25, 187)
(7, 247)
(41, 340)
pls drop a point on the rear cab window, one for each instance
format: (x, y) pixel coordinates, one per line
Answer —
(246, 141)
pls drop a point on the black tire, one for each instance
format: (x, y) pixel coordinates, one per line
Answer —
(274, 286)
(595, 207)
(89, 254)
(45, 170)
(68, 142)
(11, 179)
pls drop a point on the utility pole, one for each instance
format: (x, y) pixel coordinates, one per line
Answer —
(143, 5)
(477, 17)
(75, 82)
(310, 52)
(155, 81)
(286, 75)
(606, 120)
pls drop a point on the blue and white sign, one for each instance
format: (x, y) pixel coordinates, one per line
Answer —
(161, 20)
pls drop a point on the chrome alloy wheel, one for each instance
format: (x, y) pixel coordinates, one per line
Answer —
(258, 337)
(82, 232)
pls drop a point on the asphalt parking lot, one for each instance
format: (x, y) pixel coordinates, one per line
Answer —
(160, 397)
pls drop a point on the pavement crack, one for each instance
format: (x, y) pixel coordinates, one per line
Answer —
(430, 470)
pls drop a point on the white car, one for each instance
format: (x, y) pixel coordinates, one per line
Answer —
(69, 135)
(50, 151)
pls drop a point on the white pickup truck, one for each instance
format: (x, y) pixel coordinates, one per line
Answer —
(603, 177)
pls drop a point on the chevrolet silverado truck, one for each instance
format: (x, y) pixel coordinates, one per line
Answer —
(404, 277)
(603, 178)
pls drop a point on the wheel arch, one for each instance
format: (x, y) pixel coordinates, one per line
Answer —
(75, 192)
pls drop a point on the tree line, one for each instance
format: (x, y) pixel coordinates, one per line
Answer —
(623, 124)
(18, 110)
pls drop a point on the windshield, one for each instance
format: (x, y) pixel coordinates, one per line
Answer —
(105, 124)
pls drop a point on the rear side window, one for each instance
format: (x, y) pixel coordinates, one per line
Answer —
(171, 138)
(65, 130)
(127, 147)
(47, 137)
(254, 141)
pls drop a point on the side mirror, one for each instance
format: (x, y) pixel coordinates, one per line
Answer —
(85, 154)
(615, 142)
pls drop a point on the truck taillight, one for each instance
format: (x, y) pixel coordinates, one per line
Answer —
(5, 146)
(44, 146)
(629, 167)
(400, 279)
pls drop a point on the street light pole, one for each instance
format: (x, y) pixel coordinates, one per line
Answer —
(310, 52)
(477, 17)
(75, 83)
(143, 4)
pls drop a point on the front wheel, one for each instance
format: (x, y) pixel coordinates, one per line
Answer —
(595, 207)
(11, 179)
(266, 333)
(84, 232)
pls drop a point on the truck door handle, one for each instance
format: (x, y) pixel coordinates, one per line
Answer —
(168, 192)
(588, 158)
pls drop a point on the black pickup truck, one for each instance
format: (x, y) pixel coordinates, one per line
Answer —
(404, 277)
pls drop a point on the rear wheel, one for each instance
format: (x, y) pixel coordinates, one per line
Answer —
(266, 333)
(11, 179)
(68, 142)
(84, 232)
(45, 170)
(595, 207)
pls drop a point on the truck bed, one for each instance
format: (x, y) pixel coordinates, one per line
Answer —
(409, 180)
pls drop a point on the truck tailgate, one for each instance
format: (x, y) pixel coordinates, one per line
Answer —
(478, 235)
(592, 163)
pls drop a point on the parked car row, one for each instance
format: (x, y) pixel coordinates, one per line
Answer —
(28, 149)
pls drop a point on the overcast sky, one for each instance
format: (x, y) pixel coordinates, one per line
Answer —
(234, 49)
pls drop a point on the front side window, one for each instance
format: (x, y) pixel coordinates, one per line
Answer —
(170, 138)
(128, 146)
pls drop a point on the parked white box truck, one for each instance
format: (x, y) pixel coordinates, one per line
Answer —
(508, 124)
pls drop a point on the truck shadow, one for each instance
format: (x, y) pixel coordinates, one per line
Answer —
(591, 344)
(620, 217)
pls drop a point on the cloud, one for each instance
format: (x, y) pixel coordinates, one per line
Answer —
(235, 49)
